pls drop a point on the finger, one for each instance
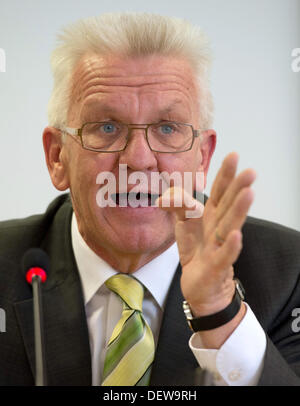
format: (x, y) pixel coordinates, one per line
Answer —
(229, 252)
(224, 177)
(236, 216)
(181, 203)
(244, 180)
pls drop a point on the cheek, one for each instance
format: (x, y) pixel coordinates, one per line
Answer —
(185, 165)
(84, 168)
(188, 161)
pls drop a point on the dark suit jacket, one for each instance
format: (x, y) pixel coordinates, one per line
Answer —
(269, 268)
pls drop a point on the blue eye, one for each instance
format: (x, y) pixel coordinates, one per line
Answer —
(166, 129)
(108, 128)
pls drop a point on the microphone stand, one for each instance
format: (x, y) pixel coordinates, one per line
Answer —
(40, 359)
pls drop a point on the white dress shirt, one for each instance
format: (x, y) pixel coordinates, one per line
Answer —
(230, 365)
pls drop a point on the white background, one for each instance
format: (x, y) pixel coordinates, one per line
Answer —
(256, 93)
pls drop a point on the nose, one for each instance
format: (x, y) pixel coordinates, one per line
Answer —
(137, 154)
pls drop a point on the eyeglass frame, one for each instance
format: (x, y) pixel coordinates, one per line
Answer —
(78, 132)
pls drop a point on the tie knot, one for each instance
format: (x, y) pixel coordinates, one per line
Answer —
(128, 288)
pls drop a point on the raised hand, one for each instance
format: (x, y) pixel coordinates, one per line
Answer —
(209, 245)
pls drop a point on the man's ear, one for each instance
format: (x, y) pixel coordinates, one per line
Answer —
(207, 147)
(55, 158)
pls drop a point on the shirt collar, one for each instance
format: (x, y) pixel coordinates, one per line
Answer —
(156, 275)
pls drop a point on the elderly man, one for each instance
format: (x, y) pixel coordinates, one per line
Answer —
(131, 91)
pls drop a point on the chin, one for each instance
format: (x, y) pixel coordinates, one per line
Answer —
(119, 232)
(137, 240)
(146, 246)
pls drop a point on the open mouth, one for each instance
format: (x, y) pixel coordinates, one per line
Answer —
(133, 199)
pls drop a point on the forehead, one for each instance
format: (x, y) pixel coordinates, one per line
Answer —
(111, 81)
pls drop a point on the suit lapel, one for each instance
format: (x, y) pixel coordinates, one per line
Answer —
(174, 362)
(66, 333)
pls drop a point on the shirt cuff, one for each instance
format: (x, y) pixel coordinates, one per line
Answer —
(239, 361)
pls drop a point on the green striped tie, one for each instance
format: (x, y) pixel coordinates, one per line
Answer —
(130, 351)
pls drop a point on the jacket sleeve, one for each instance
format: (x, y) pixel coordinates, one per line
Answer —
(269, 268)
(277, 371)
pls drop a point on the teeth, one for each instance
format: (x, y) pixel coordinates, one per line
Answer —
(133, 199)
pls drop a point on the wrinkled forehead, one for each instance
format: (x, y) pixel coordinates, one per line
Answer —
(94, 74)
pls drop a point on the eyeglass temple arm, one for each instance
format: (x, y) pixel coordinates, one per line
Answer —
(198, 133)
(71, 131)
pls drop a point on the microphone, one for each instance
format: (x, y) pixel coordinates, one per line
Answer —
(35, 264)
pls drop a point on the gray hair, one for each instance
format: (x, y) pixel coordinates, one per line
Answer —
(132, 35)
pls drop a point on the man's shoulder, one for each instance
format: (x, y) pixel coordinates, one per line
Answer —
(47, 231)
(266, 232)
(18, 234)
(270, 257)
(269, 225)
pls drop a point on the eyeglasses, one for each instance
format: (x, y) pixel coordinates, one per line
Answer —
(113, 136)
